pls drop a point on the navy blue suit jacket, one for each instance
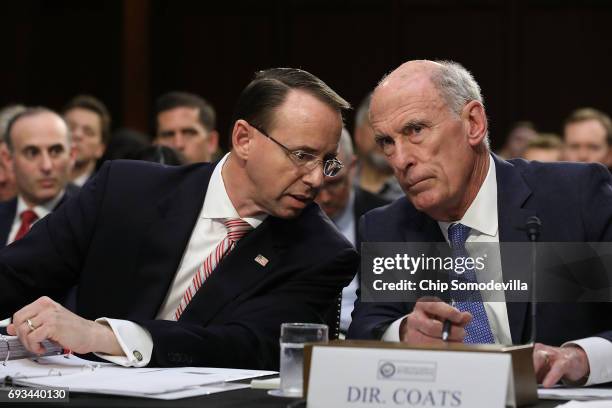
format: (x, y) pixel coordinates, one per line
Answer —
(574, 203)
(122, 239)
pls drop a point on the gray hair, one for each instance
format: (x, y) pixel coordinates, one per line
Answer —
(362, 115)
(345, 145)
(457, 86)
(29, 112)
(6, 114)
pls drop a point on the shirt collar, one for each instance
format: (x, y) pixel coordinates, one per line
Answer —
(217, 204)
(481, 215)
(41, 210)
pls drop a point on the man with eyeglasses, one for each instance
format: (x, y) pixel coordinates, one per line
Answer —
(196, 265)
(344, 202)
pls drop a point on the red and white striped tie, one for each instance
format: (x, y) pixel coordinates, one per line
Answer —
(236, 229)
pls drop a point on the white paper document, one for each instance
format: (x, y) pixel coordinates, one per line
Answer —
(580, 394)
(586, 404)
(79, 375)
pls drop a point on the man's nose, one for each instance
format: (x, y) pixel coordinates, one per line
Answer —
(314, 177)
(179, 142)
(403, 157)
(77, 134)
(46, 164)
(323, 196)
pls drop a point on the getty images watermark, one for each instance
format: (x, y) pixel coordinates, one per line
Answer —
(564, 272)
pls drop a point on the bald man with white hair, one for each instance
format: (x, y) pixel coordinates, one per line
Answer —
(429, 120)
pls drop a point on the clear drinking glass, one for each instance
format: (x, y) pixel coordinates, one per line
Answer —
(292, 339)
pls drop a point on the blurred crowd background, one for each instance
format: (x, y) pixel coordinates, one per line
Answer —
(117, 71)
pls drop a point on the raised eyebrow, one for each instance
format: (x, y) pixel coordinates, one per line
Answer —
(381, 136)
(411, 124)
(31, 147)
(305, 149)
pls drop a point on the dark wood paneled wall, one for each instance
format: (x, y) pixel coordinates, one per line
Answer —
(534, 60)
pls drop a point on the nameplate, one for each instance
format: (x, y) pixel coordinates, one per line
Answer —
(372, 374)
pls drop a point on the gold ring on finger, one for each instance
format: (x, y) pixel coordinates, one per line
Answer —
(30, 325)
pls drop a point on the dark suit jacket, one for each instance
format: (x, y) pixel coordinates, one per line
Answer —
(364, 202)
(9, 208)
(574, 203)
(122, 239)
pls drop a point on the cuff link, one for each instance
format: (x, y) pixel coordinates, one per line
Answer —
(137, 355)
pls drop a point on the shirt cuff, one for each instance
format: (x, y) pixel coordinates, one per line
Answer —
(135, 341)
(392, 332)
(599, 354)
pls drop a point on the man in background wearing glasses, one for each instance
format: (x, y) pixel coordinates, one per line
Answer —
(345, 202)
(196, 265)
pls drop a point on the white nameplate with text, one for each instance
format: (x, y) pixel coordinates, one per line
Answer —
(371, 377)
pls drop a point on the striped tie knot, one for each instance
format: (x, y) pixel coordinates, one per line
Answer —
(236, 229)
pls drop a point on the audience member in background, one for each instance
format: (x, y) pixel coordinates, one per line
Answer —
(158, 154)
(7, 178)
(344, 203)
(373, 172)
(89, 123)
(517, 140)
(124, 144)
(587, 134)
(186, 123)
(547, 147)
(40, 155)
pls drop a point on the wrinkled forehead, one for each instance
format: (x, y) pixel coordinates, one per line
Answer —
(42, 128)
(402, 93)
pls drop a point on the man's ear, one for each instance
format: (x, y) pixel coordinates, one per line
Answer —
(352, 166)
(6, 156)
(213, 142)
(475, 121)
(241, 139)
(72, 155)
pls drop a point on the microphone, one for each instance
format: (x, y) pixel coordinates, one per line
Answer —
(533, 227)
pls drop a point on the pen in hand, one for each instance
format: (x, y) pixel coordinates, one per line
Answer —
(446, 328)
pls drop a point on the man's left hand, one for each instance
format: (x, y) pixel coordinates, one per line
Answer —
(45, 319)
(551, 364)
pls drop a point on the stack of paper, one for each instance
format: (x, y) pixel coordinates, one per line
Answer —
(80, 375)
(580, 394)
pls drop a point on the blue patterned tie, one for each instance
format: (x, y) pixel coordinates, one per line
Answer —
(478, 331)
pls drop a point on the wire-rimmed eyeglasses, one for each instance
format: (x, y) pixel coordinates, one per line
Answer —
(305, 160)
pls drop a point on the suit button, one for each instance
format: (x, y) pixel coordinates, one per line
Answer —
(137, 355)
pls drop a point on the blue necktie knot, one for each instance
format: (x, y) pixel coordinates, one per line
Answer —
(458, 235)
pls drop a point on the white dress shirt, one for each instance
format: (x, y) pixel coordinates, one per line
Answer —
(135, 341)
(482, 218)
(82, 179)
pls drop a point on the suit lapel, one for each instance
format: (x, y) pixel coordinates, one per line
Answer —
(239, 272)
(166, 238)
(512, 194)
